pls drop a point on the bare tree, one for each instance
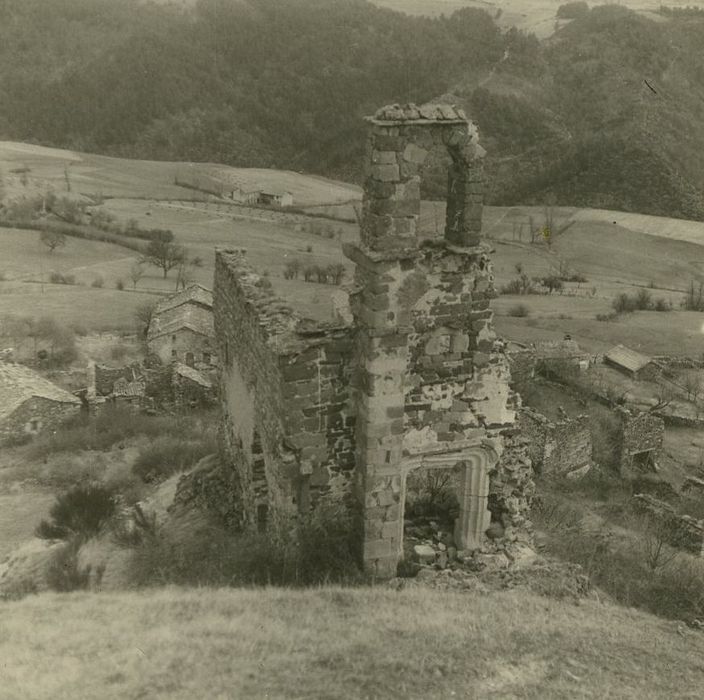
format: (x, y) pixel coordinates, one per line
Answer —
(164, 254)
(52, 239)
(143, 314)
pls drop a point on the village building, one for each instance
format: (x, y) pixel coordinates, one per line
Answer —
(417, 380)
(634, 364)
(182, 330)
(275, 199)
(30, 404)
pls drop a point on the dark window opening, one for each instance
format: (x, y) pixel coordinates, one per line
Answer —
(262, 516)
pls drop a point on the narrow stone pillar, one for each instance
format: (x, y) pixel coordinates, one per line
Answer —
(382, 363)
(473, 495)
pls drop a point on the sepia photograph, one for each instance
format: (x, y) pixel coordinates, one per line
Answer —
(351, 350)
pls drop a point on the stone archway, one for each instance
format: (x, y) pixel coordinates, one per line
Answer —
(474, 463)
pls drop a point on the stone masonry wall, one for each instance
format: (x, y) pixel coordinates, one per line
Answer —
(288, 427)
(556, 448)
(643, 432)
(48, 414)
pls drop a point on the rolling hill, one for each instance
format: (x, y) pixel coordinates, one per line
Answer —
(605, 112)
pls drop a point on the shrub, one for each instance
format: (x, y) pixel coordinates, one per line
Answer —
(166, 456)
(98, 283)
(643, 300)
(518, 311)
(81, 511)
(306, 551)
(661, 304)
(63, 574)
(622, 303)
(119, 284)
(59, 278)
(292, 269)
(607, 317)
(553, 283)
(264, 283)
(113, 425)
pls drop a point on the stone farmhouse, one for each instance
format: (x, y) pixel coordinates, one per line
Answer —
(30, 404)
(417, 380)
(182, 329)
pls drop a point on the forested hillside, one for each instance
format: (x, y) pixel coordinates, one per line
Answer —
(608, 112)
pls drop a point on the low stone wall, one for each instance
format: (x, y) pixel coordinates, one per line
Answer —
(680, 531)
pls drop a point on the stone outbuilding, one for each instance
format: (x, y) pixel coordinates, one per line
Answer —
(182, 330)
(30, 404)
(642, 438)
(416, 381)
(634, 364)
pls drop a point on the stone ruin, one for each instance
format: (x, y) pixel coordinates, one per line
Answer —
(560, 448)
(680, 531)
(642, 439)
(417, 381)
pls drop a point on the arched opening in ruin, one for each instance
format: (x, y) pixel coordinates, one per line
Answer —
(402, 148)
(445, 500)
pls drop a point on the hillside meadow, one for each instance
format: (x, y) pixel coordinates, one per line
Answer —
(340, 643)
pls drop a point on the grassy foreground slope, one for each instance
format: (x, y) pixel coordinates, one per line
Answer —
(338, 643)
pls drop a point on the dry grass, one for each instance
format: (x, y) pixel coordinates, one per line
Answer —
(339, 643)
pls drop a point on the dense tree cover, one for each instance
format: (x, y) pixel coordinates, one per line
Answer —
(606, 112)
(256, 83)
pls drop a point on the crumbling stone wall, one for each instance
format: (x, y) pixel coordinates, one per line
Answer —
(288, 425)
(681, 531)
(417, 381)
(557, 448)
(641, 441)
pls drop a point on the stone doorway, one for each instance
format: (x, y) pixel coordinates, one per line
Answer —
(465, 474)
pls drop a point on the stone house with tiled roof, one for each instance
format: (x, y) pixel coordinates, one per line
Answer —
(30, 404)
(182, 329)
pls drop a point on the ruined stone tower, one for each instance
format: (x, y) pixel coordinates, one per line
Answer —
(418, 380)
(432, 390)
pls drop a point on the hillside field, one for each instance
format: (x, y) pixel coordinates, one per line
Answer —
(614, 252)
(340, 643)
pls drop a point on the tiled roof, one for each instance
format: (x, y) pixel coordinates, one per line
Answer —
(196, 293)
(19, 383)
(422, 113)
(192, 374)
(197, 318)
(627, 358)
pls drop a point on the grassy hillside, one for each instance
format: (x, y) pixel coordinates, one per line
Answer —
(337, 643)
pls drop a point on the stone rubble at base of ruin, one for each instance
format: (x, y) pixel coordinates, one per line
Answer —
(417, 380)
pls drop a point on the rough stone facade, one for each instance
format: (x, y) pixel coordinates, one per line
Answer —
(562, 448)
(418, 380)
(641, 441)
(36, 415)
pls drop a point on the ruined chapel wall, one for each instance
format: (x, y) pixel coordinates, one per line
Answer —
(289, 424)
(458, 376)
(250, 388)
